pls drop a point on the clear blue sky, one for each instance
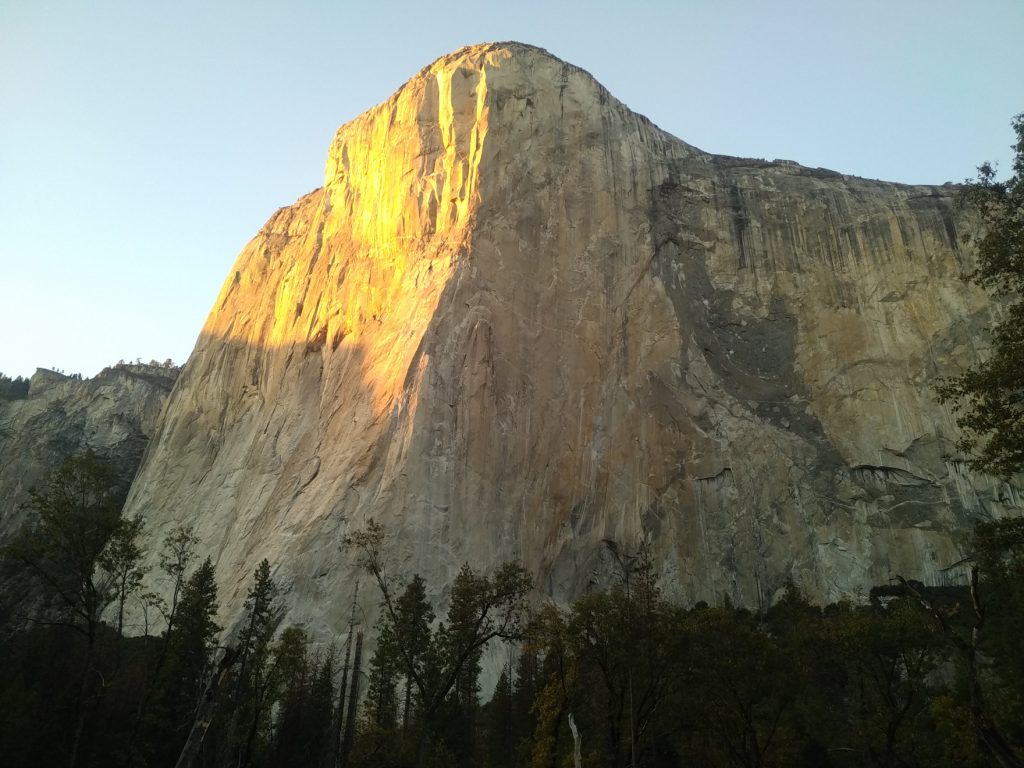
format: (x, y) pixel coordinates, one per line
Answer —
(143, 143)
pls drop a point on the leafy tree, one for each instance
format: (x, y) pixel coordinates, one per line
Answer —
(440, 665)
(177, 553)
(121, 559)
(71, 523)
(818, 673)
(406, 653)
(525, 690)
(548, 638)
(888, 653)
(381, 700)
(195, 630)
(743, 716)
(989, 400)
(612, 662)
(629, 646)
(999, 551)
(175, 558)
(964, 629)
(988, 397)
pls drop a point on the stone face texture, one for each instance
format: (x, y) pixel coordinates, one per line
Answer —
(520, 321)
(113, 415)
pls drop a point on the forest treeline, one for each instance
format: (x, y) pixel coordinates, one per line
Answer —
(911, 676)
(13, 389)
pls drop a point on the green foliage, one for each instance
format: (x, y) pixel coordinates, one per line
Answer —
(40, 688)
(548, 637)
(304, 695)
(192, 641)
(175, 557)
(629, 645)
(916, 678)
(999, 549)
(988, 397)
(381, 694)
(245, 727)
(70, 523)
(13, 389)
(121, 559)
(437, 668)
(888, 654)
(182, 666)
(748, 693)
(499, 722)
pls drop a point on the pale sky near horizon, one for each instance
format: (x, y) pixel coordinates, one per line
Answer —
(142, 144)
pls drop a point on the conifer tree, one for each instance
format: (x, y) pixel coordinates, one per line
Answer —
(190, 645)
(381, 700)
(436, 662)
(195, 633)
(248, 706)
(353, 702)
(499, 716)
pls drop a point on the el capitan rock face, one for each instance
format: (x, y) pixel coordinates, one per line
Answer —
(520, 321)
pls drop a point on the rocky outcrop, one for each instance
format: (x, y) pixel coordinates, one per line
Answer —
(520, 321)
(112, 415)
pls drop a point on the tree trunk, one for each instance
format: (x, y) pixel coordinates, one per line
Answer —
(406, 706)
(83, 690)
(353, 702)
(577, 759)
(342, 694)
(205, 712)
(337, 759)
(985, 729)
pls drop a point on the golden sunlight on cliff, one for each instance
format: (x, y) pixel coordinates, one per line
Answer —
(374, 248)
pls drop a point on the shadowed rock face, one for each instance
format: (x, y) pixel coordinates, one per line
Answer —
(520, 321)
(112, 415)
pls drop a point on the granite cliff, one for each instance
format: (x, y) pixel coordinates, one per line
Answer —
(521, 321)
(112, 414)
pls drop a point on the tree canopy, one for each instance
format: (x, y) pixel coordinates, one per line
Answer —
(989, 397)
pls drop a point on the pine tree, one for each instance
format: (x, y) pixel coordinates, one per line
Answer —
(195, 634)
(499, 716)
(381, 700)
(436, 664)
(248, 708)
(289, 678)
(182, 678)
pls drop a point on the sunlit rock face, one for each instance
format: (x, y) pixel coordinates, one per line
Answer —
(520, 321)
(112, 415)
